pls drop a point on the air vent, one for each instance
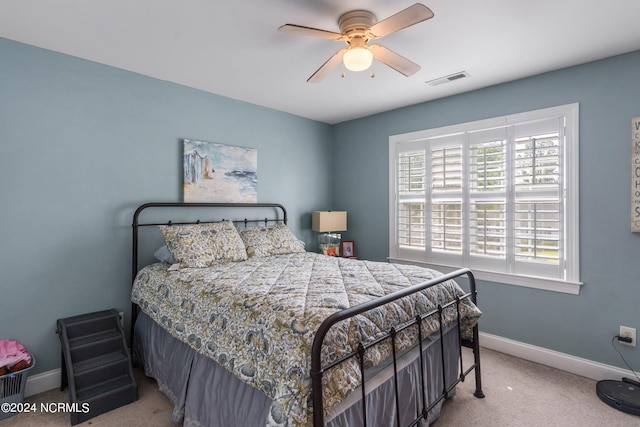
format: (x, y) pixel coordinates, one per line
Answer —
(447, 79)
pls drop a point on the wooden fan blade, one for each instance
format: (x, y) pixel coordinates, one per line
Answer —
(308, 31)
(403, 19)
(393, 60)
(326, 68)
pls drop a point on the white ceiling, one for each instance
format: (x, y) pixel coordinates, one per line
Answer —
(233, 48)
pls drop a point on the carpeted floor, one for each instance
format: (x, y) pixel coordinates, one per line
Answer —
(518, 393)
(522, 393)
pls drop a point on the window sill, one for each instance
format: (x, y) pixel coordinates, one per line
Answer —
(546, 284)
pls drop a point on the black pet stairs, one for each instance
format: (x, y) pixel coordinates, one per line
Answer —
(96, 364)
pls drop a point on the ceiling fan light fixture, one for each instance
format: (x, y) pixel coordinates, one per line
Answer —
(357, 29)
(357, 59)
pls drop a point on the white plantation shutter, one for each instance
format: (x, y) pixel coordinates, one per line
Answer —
(411, 191)
(488, 208)
(498, 195)
(410, 188)
(539, 207)
(445, 205)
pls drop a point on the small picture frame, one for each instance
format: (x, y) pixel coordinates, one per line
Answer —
(348, 248)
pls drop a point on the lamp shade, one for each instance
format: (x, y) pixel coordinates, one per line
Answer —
(327, 221)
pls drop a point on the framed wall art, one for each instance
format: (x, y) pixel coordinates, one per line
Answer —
(635, 174)
(220, 173)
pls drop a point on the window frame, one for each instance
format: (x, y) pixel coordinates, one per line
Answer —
(569, 185)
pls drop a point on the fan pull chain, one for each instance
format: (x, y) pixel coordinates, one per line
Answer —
(373, 74)
(342, 75)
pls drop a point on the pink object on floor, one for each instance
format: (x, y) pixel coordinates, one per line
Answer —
(12, 352)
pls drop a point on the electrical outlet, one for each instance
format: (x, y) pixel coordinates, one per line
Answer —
(121, 316)
(628, 332)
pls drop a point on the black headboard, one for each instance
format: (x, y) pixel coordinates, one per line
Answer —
(176, 213)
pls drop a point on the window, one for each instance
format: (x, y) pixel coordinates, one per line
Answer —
(499, 196)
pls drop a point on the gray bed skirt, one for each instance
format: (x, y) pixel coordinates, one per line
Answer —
(206, 394)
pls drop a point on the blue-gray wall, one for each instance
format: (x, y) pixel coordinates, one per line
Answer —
(608, 92)
(81, 146)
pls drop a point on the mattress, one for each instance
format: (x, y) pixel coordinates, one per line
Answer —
(257, 318)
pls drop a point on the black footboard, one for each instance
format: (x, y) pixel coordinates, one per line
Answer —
(318, 369)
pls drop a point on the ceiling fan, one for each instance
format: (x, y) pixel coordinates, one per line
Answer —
(357, 29)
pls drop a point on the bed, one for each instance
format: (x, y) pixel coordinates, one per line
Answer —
(240, 325)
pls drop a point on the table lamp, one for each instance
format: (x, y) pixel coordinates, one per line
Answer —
(328, 224)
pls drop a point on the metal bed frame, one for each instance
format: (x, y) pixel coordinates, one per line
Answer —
(317, 367)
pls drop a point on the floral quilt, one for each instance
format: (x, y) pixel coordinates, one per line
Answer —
(258, 317)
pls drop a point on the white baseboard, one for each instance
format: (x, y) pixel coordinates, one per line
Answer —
(49, 380)
(42, 382)
(576, 365)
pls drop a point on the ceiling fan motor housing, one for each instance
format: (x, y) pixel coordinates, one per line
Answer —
(356, 23)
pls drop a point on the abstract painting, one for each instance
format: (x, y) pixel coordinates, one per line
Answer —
(219, 173)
